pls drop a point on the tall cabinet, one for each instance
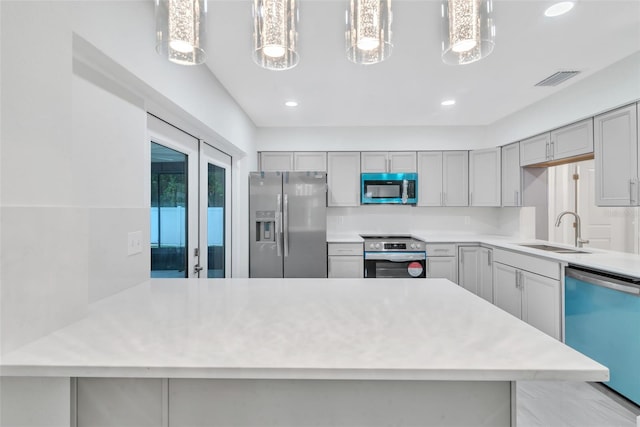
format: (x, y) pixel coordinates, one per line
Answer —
(444, 178)
(511, 175)
(617, 157)
(343, 178)
(484, 177)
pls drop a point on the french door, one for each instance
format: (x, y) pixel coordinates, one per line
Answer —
(190, 190)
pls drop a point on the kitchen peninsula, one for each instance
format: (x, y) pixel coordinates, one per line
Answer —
(286, 352)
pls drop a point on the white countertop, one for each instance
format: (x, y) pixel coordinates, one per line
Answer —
(412, 329)
(622, 263)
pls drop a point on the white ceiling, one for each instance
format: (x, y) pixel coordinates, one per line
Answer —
(407, 88)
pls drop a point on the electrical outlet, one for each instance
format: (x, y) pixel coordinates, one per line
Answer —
(134, 242)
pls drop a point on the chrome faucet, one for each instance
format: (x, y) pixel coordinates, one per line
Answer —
(579, 241)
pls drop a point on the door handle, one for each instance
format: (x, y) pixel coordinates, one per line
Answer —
(197, 269)
(278, 225)
(286, 224)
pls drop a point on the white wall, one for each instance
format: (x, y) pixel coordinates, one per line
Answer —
(372, 138)
(75, 92)
(518, 223)
(616, 85)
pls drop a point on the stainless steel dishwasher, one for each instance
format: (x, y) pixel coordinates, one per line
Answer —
(602, 321)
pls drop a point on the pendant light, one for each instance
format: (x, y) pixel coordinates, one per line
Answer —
(368, 34)
(181, 30)
(274, 34)
(468, 31)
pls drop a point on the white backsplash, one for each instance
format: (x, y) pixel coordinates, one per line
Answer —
(517, 222)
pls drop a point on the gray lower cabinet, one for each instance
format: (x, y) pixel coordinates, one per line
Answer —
(475, 270)
(529, 288)
(442, 261)
(345, 260)
(121, 402)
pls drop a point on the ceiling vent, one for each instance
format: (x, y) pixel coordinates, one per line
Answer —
(557, 78)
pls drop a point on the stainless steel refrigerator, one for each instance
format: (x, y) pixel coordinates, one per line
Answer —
(288, 224)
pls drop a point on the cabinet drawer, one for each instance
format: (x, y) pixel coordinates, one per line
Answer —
(345, 249)
(438, 249)
(544, 267)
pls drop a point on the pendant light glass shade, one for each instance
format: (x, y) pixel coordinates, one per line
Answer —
(275, 35)
(368, 34)
(468, 31)
(181, 30)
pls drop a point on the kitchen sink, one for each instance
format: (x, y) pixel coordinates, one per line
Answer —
(550, 248)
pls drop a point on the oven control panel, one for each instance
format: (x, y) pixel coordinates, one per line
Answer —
(393, 244)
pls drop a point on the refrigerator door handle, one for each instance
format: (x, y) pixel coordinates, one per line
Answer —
(278, 220)
(286, 224)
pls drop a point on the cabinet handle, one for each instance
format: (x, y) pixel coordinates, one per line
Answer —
(489, 256)
(551, 150)
(461, 257)
(471, 198)
(632, 194)
(546, 151)
(518, 201)
(388, 165)
(517, 279)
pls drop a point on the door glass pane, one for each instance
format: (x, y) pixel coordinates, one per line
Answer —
(168, 212)
(215, 221)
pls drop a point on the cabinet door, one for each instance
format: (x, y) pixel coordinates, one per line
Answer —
(346, 267)
(541, 303)
(616, 156)
(443, 267)
(485, 289)
(506, 294)
(273, 161)
(343, 178)
(455, 178)
(374, 161)
(535, 150)
(511, 178)
(572, 140)
(402, 161)
(469, 268)
(310, 161)
(430, 178)
(484, 177)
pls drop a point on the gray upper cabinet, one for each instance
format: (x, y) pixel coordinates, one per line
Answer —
(388, 161)
(272, 161)
(617, 157)
(511, 175)
(343, 178)
(572, 140)
(485, 177)
(310, 161)
(569, 141)
(535, 150)
(443, 178)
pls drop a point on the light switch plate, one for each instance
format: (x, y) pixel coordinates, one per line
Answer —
(134, 242)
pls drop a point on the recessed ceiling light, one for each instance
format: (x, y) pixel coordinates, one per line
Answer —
(291, 103)
(559, 9)
(448, 102)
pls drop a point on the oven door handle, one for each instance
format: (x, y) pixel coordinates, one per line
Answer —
(395, 256)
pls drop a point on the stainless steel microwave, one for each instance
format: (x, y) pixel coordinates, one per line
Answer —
(389, 188)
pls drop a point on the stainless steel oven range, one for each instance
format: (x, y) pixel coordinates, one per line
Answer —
(398, 256)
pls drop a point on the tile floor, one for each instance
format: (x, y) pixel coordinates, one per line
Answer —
(572, 404)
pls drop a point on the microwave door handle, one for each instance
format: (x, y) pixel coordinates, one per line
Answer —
(405, 194)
